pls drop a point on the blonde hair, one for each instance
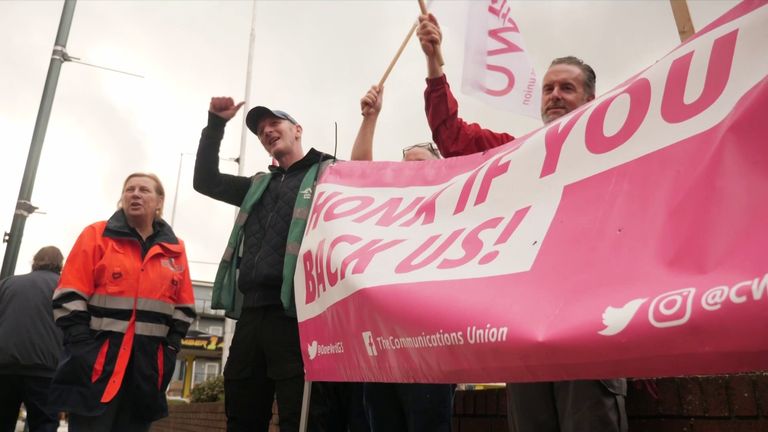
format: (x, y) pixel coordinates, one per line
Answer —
(159, 190)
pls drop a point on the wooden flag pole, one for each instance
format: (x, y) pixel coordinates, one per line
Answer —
(438, 52)
(423, 7)
(397, 56)
(682, 19)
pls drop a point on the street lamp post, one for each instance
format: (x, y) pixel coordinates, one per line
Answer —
(23, 205)
(228, 327)
(174, 206)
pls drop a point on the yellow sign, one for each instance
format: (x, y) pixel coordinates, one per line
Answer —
(210, 343)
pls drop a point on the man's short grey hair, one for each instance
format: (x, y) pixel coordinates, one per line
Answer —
(590, 79)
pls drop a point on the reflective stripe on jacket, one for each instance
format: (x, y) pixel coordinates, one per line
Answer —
(116, 308)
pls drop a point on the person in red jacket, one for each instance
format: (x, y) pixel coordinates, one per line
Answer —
(564, 406)
(124, 302)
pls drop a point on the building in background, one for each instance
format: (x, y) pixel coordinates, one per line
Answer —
(200, 357)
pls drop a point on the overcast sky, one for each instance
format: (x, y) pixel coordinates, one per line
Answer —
(313, 59)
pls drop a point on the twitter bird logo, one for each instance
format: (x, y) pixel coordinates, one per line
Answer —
(616, 319)
(312, 350)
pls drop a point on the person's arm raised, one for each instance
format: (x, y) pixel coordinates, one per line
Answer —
(370, 106)
(430, 38)
(224, 107)
(208, 179)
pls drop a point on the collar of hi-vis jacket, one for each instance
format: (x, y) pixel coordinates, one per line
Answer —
(117, 227)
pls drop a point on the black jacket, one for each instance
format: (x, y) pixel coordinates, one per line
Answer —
(30, 342)
(266, 230)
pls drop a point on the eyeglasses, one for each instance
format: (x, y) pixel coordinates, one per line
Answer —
(428, 146)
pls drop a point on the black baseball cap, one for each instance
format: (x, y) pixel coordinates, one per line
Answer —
(257, 114)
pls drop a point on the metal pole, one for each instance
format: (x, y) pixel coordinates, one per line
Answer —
(248, 73)
(23, 205)
(229, 325)
(176, 194)
(305, 398)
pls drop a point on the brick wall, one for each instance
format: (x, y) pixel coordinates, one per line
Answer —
(201, 417)
(736, 403)
(197, 417)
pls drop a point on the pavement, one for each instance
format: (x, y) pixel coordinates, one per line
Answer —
(63, 427)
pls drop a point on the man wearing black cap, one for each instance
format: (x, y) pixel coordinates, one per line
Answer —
(265, 357)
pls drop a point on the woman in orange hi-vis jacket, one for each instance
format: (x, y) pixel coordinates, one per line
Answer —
(124, 302)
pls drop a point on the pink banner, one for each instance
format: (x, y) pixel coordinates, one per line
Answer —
(626, 239)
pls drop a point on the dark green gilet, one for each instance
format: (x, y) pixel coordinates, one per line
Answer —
(225, 295)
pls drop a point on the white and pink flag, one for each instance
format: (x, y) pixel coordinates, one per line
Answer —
(629, 238)
(497, 70)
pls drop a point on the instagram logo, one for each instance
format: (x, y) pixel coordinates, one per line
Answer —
(370, 346)
(672, 308)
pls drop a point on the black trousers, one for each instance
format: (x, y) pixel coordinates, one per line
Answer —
(120, 415)
(409, 407)
(33, 392)
(567, 406)
(337, 407)
(334, 407)
(264, 361)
